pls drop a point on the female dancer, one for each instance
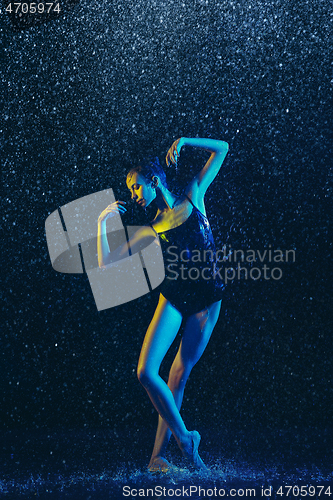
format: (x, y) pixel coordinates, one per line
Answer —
(182, 224)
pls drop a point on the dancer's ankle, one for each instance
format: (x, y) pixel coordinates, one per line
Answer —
(153, 458)
(186, 444)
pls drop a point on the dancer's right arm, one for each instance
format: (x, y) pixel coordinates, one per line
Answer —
(103, 249)
(143, 236)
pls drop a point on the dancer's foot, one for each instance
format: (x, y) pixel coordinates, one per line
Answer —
(160, 464)
(191, 453)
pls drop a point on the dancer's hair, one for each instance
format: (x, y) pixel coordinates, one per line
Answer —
(148, 168)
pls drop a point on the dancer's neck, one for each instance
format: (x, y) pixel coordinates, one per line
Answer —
(165, 200)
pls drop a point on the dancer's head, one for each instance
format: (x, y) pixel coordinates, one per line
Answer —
(145, 180)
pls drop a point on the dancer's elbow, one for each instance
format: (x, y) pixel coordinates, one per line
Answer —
(224, 147)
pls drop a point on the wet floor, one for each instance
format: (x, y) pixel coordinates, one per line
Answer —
(83, 465)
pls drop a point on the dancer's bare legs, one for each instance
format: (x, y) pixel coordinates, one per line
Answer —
(197, 332)
(159, 337)
(167, 398)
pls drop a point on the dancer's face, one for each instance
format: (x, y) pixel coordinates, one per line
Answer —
(141, 190)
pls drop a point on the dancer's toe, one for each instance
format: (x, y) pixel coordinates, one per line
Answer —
(160, 464)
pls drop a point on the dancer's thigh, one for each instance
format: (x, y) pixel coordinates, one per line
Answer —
(160, 335)
(197, 332)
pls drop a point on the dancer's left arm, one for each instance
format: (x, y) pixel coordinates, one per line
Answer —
(201, 182)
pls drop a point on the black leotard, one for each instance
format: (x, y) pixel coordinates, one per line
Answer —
(192, 282)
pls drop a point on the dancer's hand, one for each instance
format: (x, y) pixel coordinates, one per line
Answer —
(115, 208)
(174, 152)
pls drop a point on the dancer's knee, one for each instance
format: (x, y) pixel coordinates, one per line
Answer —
(145, 376)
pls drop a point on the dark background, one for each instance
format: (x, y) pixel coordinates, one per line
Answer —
(85, 97)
